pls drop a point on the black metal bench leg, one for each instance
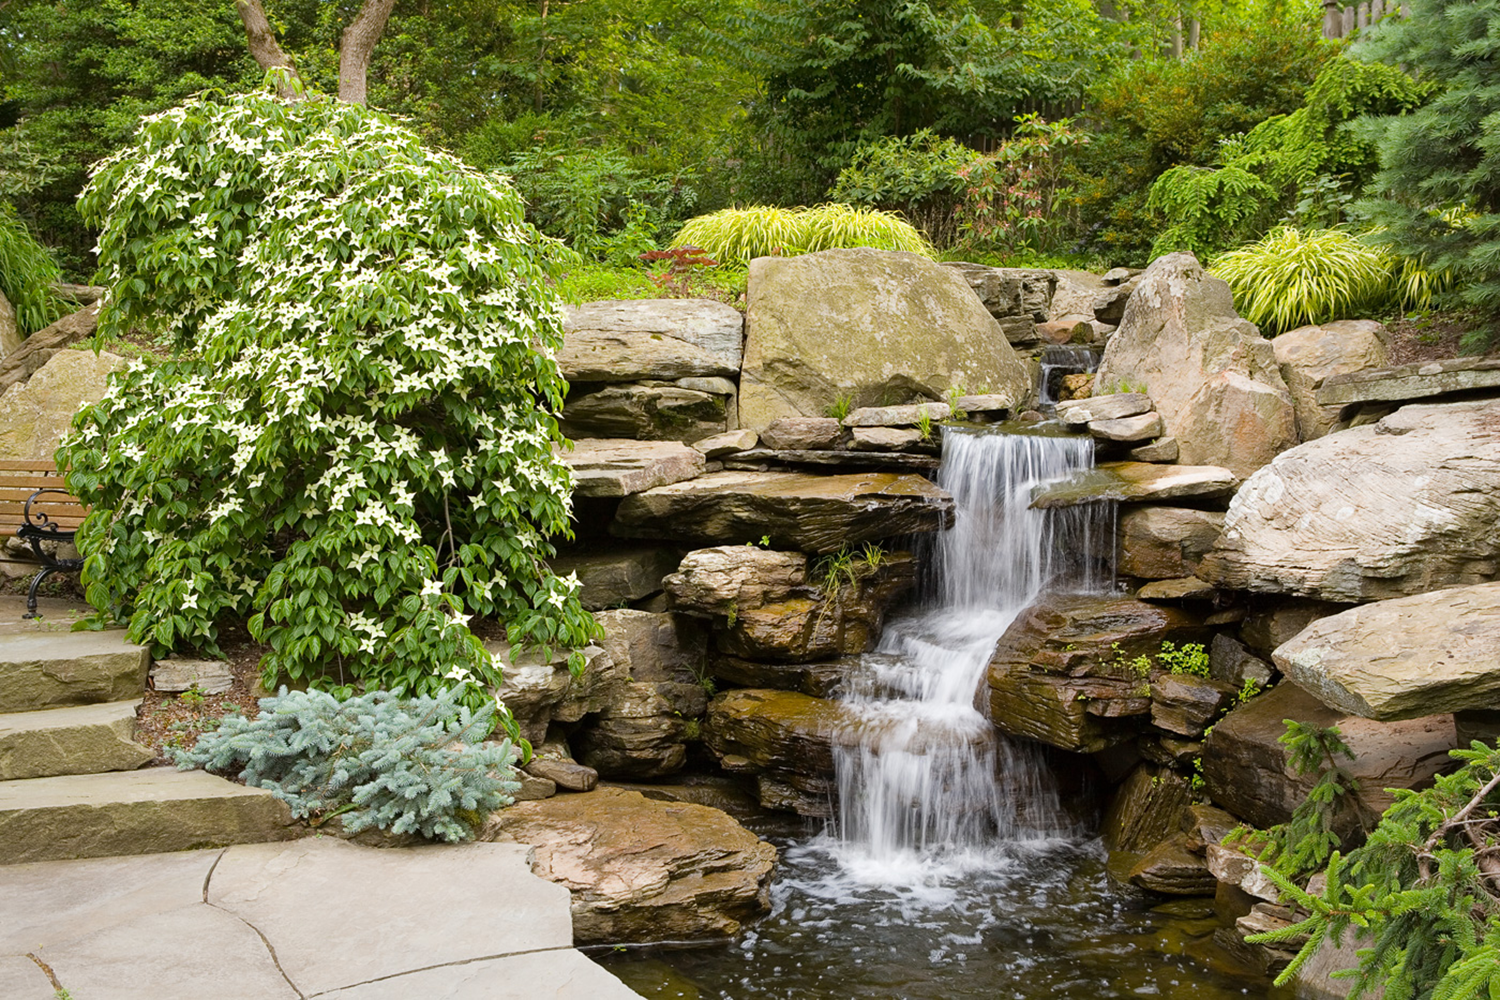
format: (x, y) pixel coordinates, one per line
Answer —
(31, 594)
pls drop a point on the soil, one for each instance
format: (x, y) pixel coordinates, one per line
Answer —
(1433, 337)
(167, 722)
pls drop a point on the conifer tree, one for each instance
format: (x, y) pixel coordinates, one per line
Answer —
(1437, 193)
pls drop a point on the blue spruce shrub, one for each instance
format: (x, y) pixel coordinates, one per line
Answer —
(407, 765)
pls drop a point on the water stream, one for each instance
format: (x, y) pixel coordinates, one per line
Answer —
(952, 869)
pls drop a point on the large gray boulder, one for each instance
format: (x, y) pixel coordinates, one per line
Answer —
(622, 341)
(1309, 355)
(35, 416)
(1404, 658)
(871, 326)
(1390, 509)
(1213, 377)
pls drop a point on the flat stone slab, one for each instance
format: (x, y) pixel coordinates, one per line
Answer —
(616, 467)
(1112, 406)
(631, 355)
(281, 922)
(1403, 658)
(1136, 481)
(859, 458)
(898, 416)
(1420, 380)
(611, 579)
(45, 669)
(287, 892)
(178, 674)
(795, 510)
(82, 740)
(712, 326)
(133, 812)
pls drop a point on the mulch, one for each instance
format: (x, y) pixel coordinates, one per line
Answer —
(1433, 337)
(167, 722)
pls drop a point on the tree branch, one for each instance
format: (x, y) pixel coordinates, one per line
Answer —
(356, 47)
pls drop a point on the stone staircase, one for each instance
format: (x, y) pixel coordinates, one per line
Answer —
(72, 783)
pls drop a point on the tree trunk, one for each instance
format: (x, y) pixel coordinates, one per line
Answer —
(262, 42)
(356, 46)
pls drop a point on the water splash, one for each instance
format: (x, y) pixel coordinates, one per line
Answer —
(929, 785)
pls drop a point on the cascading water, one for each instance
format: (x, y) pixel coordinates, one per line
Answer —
(951, 873)
(1058, 360)
(928, 772)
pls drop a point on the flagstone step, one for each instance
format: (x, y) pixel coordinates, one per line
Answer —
(84, 739)
(49, 669)
(133, 812)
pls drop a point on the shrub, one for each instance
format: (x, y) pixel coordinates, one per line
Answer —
(736, 235)
(1289, 278)
(27, 271)
(916, 175)
(1019, 196)
(353, 447)
(1153, 114)
(403, 765)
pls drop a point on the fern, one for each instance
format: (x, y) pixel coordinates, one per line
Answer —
(1208, 210)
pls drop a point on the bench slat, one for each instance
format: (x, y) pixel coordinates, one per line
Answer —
(27, 465)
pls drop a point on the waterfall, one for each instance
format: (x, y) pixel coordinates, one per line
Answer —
(927, 772)
(1058, 360)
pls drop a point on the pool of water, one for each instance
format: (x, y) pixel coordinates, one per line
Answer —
(1015, 921)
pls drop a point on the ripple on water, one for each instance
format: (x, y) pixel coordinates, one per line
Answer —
(1017, 921)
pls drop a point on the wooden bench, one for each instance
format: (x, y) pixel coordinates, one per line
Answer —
(36, 504)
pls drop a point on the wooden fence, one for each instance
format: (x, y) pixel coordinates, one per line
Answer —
(1340, 21)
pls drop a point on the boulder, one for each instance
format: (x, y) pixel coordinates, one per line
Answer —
(1182, 588)
(10, 331)
(727, 443)
(645, 413)
(866, 325)
(175, 675)
(987, 403)
(1111, 300)
(1010, 292)
(37, 349)
(1163, 449)
(566, 774)
(836, 619)
(1212, 376)
(1145, 427)
(791, 510)
(612, 578)
(1310, 355)
(822, 679)
(1246, 771)
(1186, 705)
(1162, 543)
(1172, 869)
(1074, 295)
(1400, 507)
(909, 415)
(1146, 810)
(1064, 672)
(615, 468)
(1139, 482)
(1271, 622)
(602, 336)
(654, 646)
(1114, 406)
(783, 738)
(642, 869)
(722, 580)
(802, 433)
(35, 416)
(1420, 380)
(539, 691)
(1403, 658)
(1229, 661)
(884, 438)
(643, 729)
